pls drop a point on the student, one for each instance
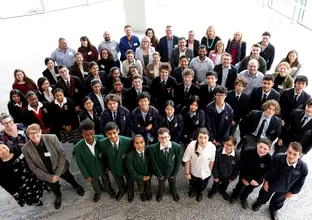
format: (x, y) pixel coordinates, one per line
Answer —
(115, 148)
(287, 179)
(166, 158)
(260, 124)
(206, 90)
(162, 87)
(177, 72)
(193, 118)
(219, 117)
(90, 113)
(145, 118)
(255, 165)
(298, 129)
(116, 113)
(239, 101)
(97, 96)
(261, 94)
(138, 162)
(16, 105)
(91, 161)
(225, 168)
(174, 122)
(199, 159)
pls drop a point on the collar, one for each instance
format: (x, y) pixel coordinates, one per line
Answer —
(268, 93)
(19, 105)
(206, 58)
(116, 142)
(227, 68)
(92, 145)
(61, 105)
(192, 113)
(185, 86)
(65, 80)
(309, 117)
(231, 154)
(140, 152)
(163, 80)
(255, 76)
(220, 109)
(109, 41)
(212, 88)
(236, 94)
(294, 165)
(170, 119)
(298, 94)
(163, 147)
(32, 109)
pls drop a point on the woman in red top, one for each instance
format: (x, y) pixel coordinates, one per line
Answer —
(237, 48)
(151, 34)
(88, 51)
(23, 83)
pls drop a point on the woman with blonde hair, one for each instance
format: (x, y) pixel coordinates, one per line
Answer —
(210, 39)
(144, 53)
(217, 54)
(282, 79)
(236, 47)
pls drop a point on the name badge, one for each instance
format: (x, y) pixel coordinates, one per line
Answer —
(100, 154)
(70, 53)
(176, 46)
(233, 162)
(176, 125)
(47, 154)
(152, 71)
(102, 66)
(151, 118)
(76, 90)
(280, 87)
(85, 73)
(65, 107)
(45, 110)
(21, 156)
(57, 75)
(262, 165)
(196, 122)
(124, 117)
(135, 44)
(113, 48)
(89, 53)
(226, 117)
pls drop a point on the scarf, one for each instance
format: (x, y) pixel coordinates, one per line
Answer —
(237, 46)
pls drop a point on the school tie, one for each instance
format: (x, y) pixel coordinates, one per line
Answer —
(210, 90)
(303, 121)
(115, 147)
(264, 98)
(260, 129)
(141, 156)
(68, 85)
(114, 116)
(295, 99)
(237, 98)
(163, 83)
(166, 153)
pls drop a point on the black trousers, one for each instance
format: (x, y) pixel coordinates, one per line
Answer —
(222, 185)
(145, 187)
(242, 190)
(68, 177)
(249, 141)
(277, 200)
(97, 185)
(121, 184)
(172, 185)
(198, 184)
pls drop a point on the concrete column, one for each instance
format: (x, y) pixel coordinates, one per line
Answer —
(135, 14)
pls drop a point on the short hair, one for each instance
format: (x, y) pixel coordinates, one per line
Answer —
(129, 52)
(61, 39)
(61, 67)
(163, 130)
(257, 45)
(78, 53)
(136, 76)
(266, 33)
(34, 126)
(253, 61)
(202, 47)
(58, 90)
(168, 26)
(301, 78)
(268, 77)
(188, 72)
(227, 55)
(165, 66)
(212, 73)
(30, 93)
(241, 80)
(86, 125)
(270, 102)
(309, 102)
(296, 146)
(46, 60)
(220, 89)
(111, 126)
(183, 57)
(156, 53)
(111, 97)
(95, 81)
(144, 95)
(5, 116)
(265, 141)
(182, 38)
(231, 138)
(127, 26)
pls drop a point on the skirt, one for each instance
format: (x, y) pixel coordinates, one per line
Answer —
(72, 137)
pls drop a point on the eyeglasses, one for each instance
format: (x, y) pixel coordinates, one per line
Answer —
(164, 137)
(33, 133)
(8, 122)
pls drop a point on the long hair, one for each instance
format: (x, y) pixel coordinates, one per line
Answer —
(85, 38)
(154, 39)
(29, 82)
(21, 95)
(110, 55)
(202, 130)
(296, 62)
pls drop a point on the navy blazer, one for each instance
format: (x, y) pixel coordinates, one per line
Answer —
(163, 47)
(180, 98)
(192, 124)
(195, 47)
(130, 100)
(175, 127)
(256, 97)
(96, 102)
(240, 107)
(231, 77)
(219, 128)
(205, 96)
(175, 56)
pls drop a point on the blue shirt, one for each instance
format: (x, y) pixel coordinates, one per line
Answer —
(170, 47)
(64, 58)
(125, 45)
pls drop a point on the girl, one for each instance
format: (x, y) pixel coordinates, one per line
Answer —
(89, 112)
(106, 61)
(23, 83)
(173, 122)
(199, 158)
(65, 120)
(193, 118)
(97, 96)
(44, 92)
(282, 79)
(292, 60)
(94, 74)
(16, 104)
(88, 51)
(216, 55)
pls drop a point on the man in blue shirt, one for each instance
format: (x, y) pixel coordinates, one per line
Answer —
(127, 42)
(63, 55)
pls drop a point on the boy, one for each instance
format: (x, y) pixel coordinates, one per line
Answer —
(145, 118)
(225, 168)
(219, 117)
(287, 179)
(206, 90)
(166, 158)
(255, 165)
(115, 148)
(138, 162)
(90, 160)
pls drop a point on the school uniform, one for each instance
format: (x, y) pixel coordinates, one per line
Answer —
(240, 104)
(140, 121)
(175, 126)
(252, 167)
(87, 86)
(258, 97)
(91, 163)
(166, 162)
(285, 178)
(191, 123)
(116, 162)
(162, 91)
(177, 74)
(298, 129)
(183, 95)
(139, 165)
(43, 97)
(225, 168)
(206, 95)
(52, 78)
(75, 71)
(98, 101)
(94, 117)
(16, 111)
(131, 100)
(121, 96)
(218, 121)
(122, 117)
(200, 160)
(229, 79)
(128, 82)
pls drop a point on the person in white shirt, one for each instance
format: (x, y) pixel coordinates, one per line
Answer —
(199, 157)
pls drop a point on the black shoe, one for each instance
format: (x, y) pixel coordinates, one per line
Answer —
(119, 196)
(142, 197)
(79, 190)
(199, 197)
(211, 194)
(130, 197)
(39, 203)
(159, 197)
(273, 214)
(233, 199)
(256, 206)
(244, 204)
(225, 196)
(57, 202)
(191, 193)
(149, 197)
(96, 197)
(112, 194)
(176, 197)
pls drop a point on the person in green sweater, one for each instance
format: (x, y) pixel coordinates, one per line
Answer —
(91, 161)
(138, 162)
(115, 147)
(166, 158)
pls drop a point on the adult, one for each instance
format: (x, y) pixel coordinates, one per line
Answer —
(90, 113)
(128, 42)
(87, 49)
(51, 71)
(106, 61)
(236, 47)
(16, 104)
(227, 73)
(144, 53)
(267, 49)
(282, 79)
(192, 43)
(63, 55)
(216, 55)
(81, 68)
(111, 45)
(130, 60)
(292, 59)
(210, 39)
(181, 50)
(23, 83)
(255, 54)
(44, 92)
(151, 34)
(166, 44)
(152, 69)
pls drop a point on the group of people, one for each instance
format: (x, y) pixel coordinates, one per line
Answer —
(134, 116)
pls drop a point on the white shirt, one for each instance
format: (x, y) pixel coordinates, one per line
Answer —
(141, 152)
(91, 147)
(117, 143)
(231, 154)
(200, 164)
(168, 147)
(294, 164)
(32, 109)
(225, 73)
(266, 125)
(100, 98)
(61, 104)
(219, 110)
(49, 97)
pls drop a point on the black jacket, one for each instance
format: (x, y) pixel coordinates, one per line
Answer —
(195, 47)
(231, 77)
(47, 73)
(175, 56)
(256, 97)
(175, 127)
(29, 117)
(16, 112)
(205, 96)
(75, 71)
(88, 80)
(130, 100)
(268, 54)
(192, 124)
(96, 101)
(240, 107)
(180, 98)
(85, 115)
(204, 41)
(163, 47)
